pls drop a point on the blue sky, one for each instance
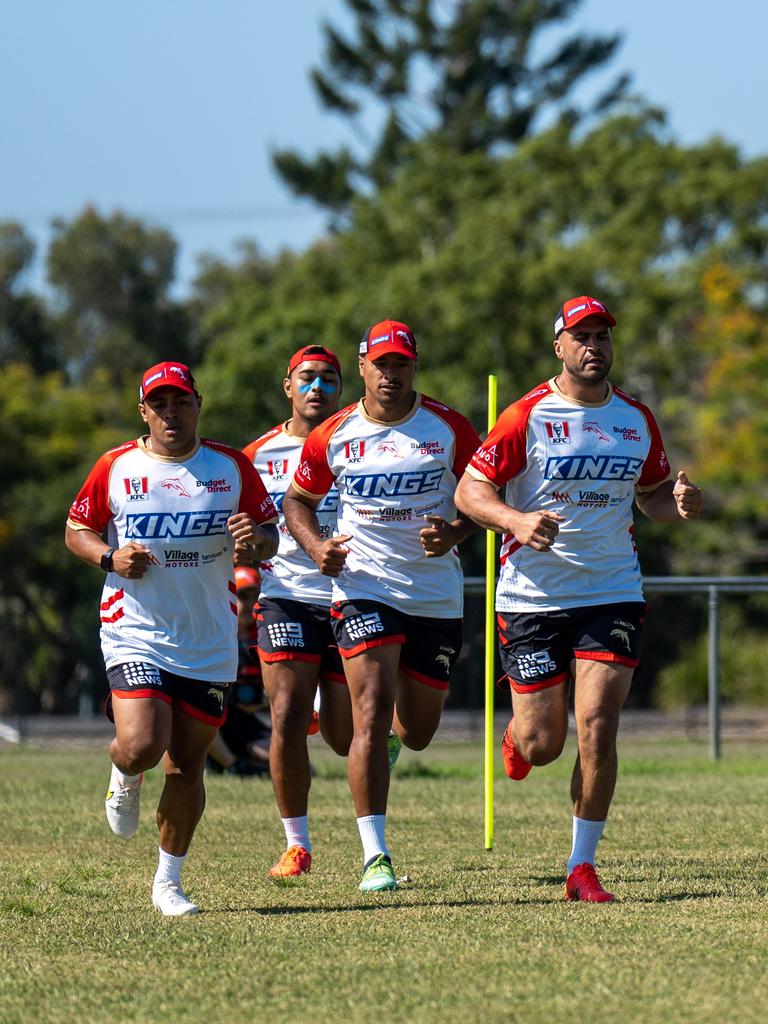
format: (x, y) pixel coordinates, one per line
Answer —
(168, 109)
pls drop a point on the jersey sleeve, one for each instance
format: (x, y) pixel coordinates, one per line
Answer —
(503, 454)
(313, 476)
(91, 509)
(253, 495)
(250, 451)
(656, 466)
(466, 439)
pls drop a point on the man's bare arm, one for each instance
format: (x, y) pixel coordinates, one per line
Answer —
(301, 519)
(480, 500)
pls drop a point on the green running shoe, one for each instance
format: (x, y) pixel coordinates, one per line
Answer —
(378, 875)
(394, 746)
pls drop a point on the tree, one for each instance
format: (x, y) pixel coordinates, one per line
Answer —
(113, 276)
(467, 73)
(25, 329)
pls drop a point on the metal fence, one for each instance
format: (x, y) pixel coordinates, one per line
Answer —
(713, 587)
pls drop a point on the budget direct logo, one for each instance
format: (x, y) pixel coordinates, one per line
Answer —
(215, 486)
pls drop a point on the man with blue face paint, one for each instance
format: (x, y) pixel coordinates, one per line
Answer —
(296, 646)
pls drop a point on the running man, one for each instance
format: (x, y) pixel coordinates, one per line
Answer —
(296, 645)
(572, 456)
(395, 457)
(175, 509)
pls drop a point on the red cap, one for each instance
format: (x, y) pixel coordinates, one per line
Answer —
(167, 375)
(245, 577)
(573, 311)
(318, 353)
(388, 336)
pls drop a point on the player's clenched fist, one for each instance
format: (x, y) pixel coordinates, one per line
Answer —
(330, 555)
(537, 530)
(132, 560)
(437, 538)
(687, 496)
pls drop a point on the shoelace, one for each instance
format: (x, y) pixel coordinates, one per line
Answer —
(124, 799)
(171, 891)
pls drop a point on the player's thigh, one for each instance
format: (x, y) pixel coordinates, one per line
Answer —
(141, 708)
(429, 654)
(370, 637)
(606, 650)
(190, 739)
(536, 653)
(290, 686)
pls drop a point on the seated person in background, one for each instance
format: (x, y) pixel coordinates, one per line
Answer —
(241, 746)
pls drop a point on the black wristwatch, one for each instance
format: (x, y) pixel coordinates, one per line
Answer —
(106, 560)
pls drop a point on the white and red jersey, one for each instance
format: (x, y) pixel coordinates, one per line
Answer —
(181, 615)
(291, 573)
(586, 462)
(389, 476)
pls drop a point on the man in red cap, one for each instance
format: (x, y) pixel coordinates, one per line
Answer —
(395, 457)
(573, 454)
(296, 645)
(174, 509)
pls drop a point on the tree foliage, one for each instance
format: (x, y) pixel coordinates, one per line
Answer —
(469, 73)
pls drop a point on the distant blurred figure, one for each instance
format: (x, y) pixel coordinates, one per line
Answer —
(241, 746)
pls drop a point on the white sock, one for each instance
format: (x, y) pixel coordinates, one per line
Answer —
(297, 832)
(169, 867)
(586, 836)
(123, 779)
(371, 829)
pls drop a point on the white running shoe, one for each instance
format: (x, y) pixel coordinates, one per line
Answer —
(122, 805)
(169, 899)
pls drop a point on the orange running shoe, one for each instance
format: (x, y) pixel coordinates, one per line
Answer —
(583, 884)
(314, 725)
(515, 764)
(294, 862)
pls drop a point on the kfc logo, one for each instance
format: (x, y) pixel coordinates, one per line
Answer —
(354, 451)
(136, 488)
(558, 432)
(278, 468)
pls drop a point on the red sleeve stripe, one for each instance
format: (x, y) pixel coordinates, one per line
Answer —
(117, 596)
(113, 618)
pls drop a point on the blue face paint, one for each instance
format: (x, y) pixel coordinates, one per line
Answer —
(327, 386)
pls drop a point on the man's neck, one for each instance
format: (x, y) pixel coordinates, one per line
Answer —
(592, 394)
(391, 413)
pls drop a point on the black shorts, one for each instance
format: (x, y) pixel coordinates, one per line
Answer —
(295, 631)
(430, 646)
(133, 679)
(537, 647)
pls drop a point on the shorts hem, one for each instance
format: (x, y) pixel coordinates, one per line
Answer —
(270, 656)
(544, 684)
(425, 680)
(201, 716)
(606, 656)
(366, 645)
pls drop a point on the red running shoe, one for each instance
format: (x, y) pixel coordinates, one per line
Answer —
(294, 862)
(583, 884)
(515, 764)
(314, 725)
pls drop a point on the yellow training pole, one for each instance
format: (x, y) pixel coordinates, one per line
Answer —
(490, 644)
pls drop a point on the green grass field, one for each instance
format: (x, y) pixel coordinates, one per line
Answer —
(472, 936)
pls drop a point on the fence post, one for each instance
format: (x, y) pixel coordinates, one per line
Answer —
(713, 672)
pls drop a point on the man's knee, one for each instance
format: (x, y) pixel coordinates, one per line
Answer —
(597, 729)
(540, 745)
(291, 713)
(136, 754)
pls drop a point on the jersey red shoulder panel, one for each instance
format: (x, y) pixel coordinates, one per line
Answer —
(253, 495)
(656, 465)
(250, 449)
(466, 438)
(503, 453)
(90, 509)
(313, 475)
